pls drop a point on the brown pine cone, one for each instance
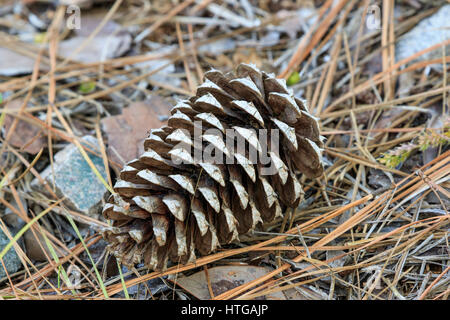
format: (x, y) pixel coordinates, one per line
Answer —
(210, 175)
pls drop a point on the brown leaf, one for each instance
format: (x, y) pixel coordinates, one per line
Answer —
(126, 132)
(222, 279)
(26, 135)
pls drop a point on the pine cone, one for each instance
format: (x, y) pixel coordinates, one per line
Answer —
(171, 204)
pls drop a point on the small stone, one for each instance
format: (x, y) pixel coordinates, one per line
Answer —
(35, 250)
(11, 259)
(430, 31)
(11, 218)
(22, 64)
(100, 49)
(110, 42)
(74, 178)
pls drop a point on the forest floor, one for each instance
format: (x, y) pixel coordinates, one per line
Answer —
(375, 226)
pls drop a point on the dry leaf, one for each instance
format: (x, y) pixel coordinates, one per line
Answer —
(222, 279)
(26, 135)
(126, 132)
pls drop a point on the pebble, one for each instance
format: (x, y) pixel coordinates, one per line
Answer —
(11, 259)
(75, 180)
(22, 64)
(430, 31)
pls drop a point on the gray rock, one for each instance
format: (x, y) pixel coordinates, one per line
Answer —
(11, 259)
(110, 42)
(168, 68)
(218, 47)
(428, 32)
(22, 64)
(99, 49)
(11, 218)
(75, 180)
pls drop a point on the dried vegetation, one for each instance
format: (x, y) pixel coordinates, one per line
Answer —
(374, 226)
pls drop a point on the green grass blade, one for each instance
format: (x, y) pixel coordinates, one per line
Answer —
(26, 227)
(99, 278)
(60, 268)
(125, 290)
(93, 168)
